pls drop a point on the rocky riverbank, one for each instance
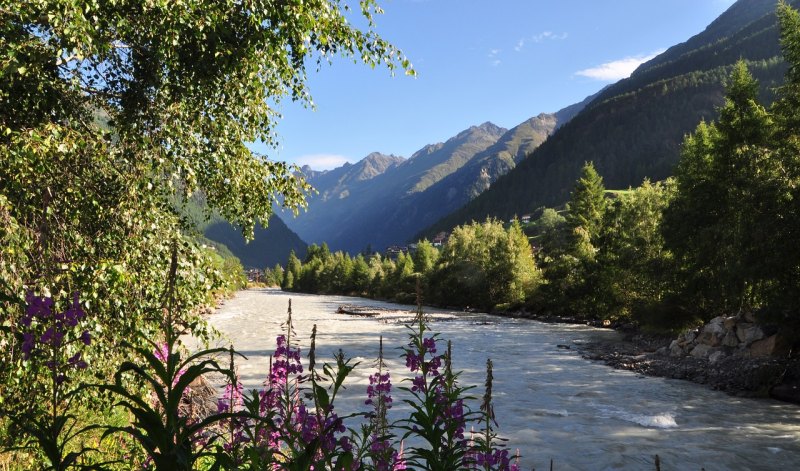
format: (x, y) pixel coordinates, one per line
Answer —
(731, 354)
(735, 370)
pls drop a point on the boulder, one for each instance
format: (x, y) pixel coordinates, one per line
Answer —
(730, 323)
(770, 346)
(730, 339)
(690, 335)
(789, 392)
(713, 332)
(752, 334)
(675, 349)
(716, 356)
(701, 351)
(741, 330)
(719, 320)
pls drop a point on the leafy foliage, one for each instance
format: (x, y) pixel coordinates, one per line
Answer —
(482, 265)
(111, 112)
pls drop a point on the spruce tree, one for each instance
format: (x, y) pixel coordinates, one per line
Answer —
(588, 202)
(720, 211)
(784, 259)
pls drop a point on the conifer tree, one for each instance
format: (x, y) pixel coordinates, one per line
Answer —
(784, 251)
(714, 222)
(588, 202)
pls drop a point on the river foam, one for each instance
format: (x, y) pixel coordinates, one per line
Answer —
(663, 420)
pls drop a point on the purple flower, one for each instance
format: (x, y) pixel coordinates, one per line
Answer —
(75, 312)
(77, 361)
(162, 352)
(345, 444)
(287, 361)
(39, 307)
(413, 360)
(52, 329)
(497, 458)
(28, 342)
(429, 344)
(232, 398)
(52, 336)
(398, 461)
(380, 386)
(418, 383)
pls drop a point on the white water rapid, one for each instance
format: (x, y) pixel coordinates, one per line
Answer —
(549, 402)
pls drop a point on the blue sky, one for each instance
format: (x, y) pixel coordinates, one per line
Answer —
(502, 61)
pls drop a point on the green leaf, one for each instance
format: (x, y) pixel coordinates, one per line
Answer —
(321, 395)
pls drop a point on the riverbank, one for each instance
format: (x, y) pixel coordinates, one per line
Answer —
(746, 377)
(777, 377)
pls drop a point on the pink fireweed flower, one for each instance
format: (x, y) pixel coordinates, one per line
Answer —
(28, 342)
(287, 361)
(380, 386)
(379, 396)
(162, 353)
(398, 461)
(232, 399)
(416, 361)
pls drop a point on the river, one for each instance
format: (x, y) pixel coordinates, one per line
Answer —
(550, 403)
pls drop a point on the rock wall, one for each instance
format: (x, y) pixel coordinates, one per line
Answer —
(723, 337)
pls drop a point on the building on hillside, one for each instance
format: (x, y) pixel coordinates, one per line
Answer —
(526, 218)
(440, 239)
(394, 251)
(254, 275)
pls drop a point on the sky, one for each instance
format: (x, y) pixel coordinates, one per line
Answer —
(502, 61)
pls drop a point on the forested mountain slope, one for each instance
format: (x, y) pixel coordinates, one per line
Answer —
(270, 245)
(633, 129)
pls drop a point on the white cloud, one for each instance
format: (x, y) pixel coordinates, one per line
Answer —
(493, 57)
(548, 35)
(618, 69)
(322, 161)
(538, 38)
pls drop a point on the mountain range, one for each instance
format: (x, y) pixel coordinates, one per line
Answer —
(384, 200)
(633, 129)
